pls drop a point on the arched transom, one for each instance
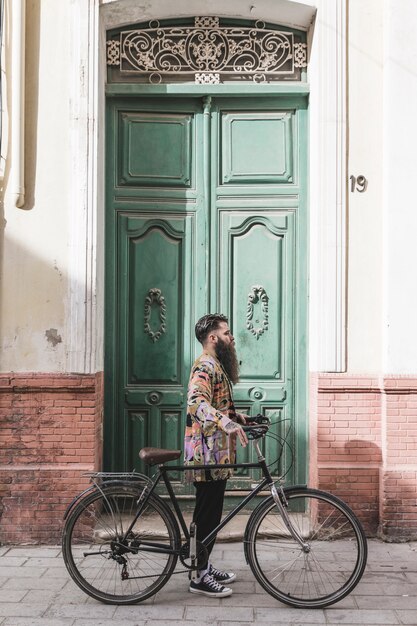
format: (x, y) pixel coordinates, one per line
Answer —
(206, 50)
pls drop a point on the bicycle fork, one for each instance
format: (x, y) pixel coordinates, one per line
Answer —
(282, 504)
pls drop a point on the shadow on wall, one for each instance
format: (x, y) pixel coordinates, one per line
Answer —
(363, 452)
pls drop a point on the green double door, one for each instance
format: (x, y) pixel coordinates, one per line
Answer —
(205, 212)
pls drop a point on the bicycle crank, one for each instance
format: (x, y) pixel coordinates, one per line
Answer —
(200, 559)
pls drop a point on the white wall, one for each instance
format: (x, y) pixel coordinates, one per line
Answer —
(399, 203)
(382, 261)
(365, 215)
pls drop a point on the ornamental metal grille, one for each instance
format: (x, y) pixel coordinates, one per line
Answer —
(206, 52)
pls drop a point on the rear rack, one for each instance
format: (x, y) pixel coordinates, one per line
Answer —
(130, 476)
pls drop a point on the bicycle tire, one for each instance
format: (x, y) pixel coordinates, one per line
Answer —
(91, 535)
(313, 579)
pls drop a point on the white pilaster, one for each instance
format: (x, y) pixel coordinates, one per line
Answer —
(81, 314)
(327, 77)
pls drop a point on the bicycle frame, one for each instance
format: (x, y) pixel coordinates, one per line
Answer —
(97, 527)
(279, 498)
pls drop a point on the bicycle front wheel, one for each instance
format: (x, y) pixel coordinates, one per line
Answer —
(107, 565)
(326, 569)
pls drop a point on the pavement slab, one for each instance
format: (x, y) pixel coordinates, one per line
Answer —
(150, 612)
(388, 602)
(11, 595)
(163, 622)
(221, 613)
(20, 609)
(20, 572)
(109, 622)
(407, 617)
(36, 583)
(13, 561)
(361, 617)
(40, 621)
(285, 615)
(37, 552)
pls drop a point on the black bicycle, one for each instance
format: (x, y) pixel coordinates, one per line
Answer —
(121, 541)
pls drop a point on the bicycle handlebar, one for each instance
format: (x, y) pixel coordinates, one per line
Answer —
(257, 427)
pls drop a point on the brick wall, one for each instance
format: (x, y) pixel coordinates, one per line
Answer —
(365, 449)
(50, 433)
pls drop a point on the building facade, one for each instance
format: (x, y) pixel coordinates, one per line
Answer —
(159, 161)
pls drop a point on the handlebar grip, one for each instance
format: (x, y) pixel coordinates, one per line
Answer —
(260, 419)
(256, 431)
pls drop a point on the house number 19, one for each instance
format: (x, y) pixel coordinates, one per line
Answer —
(359, 183)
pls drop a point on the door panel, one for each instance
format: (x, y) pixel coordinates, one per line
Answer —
(256, 257)
(205, 212)
(155, 258)
(256, 147)
(144, 158)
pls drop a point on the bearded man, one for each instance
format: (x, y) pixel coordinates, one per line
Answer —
(210, 437)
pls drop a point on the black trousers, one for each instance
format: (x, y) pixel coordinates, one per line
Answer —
(208, 508)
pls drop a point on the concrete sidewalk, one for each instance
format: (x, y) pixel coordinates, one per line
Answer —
(35, 589)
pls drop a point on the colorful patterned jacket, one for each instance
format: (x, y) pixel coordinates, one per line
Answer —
(209, 409)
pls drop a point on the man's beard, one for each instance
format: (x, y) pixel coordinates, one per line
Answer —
(226, 353)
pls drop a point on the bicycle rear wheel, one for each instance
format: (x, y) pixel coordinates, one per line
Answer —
(327, 570)
(109, 569)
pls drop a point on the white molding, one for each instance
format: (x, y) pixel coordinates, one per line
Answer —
(328, 162)
(116, 13)
(81, 313)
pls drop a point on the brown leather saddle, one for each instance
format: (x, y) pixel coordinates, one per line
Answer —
(156, 456)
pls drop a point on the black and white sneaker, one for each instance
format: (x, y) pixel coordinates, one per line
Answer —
(222, 577)
(208, 586)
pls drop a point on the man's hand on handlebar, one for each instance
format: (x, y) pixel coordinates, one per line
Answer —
(255, 427)
(236, 429)
(243, 419)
